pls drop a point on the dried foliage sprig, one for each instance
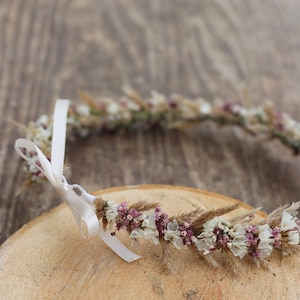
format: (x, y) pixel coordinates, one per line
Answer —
(132, 111)
(204, 232)
(207, 232)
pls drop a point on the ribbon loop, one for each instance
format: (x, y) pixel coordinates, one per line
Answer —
(80, 204)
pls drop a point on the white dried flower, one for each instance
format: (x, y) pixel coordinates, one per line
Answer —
(148, 230)
(41, 131)
(238, 246)
(207, 239)
(172, 234)
(236, 108)
(291, 126)
(112, 108)
(289, 225)
(140, 218)
(132, 105)
(43, 121)
(32, 167)
(205, 108)
(252, 112)
(42, 135)
(211, 224)
(136, 233)
(265, 242)
(157, 99)
(110, 213)
(83, 132)
(83, 110)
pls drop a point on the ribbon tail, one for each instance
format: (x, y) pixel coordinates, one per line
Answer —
(117, 246)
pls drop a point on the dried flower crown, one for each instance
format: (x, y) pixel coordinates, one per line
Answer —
(205, 232)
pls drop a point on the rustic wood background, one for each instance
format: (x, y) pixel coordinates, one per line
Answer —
(212, 49)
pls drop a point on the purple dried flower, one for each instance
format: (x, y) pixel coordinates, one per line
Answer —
(38, 163)
(188, 237)
(252, 240)
(23, 150)
(161, 221)
(279, 122)
(157, 209)
(172, 103)
(134, 213)
(183, 233)
(227, 107)
(123, 103)
(252, 229)
(276, 235)
(254, 252)
(230, 107)
(259, 240)
(126, 217)
(32, 153)
(222, 238)
(251, 235)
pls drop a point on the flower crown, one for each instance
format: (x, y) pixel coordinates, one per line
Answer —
(205, 232)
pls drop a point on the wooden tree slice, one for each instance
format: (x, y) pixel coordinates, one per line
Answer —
(48, 259)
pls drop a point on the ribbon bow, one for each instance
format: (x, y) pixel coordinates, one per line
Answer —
(80, 201)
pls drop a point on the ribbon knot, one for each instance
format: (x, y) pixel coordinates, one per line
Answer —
(79, 200)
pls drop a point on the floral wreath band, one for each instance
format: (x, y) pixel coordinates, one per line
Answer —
(205, 232)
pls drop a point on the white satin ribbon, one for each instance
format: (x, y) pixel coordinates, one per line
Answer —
(80, 202)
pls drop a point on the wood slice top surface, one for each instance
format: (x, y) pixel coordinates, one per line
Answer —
(48, 259)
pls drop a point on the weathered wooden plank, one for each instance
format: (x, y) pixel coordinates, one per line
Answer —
(209, 49)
